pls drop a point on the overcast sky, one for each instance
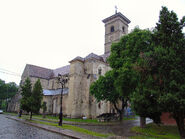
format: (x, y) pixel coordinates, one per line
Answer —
(50, 33)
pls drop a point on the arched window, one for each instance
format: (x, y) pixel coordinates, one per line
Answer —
(123, 29)
(99, 105)
(99, 71)
(112, 29)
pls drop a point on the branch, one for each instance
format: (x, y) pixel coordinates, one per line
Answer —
(116, 107)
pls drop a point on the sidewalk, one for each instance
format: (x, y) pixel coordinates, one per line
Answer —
(65, 132)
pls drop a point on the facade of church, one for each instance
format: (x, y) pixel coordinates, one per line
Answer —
(77, 101)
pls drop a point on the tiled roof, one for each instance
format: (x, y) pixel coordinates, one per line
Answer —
(55, 92)
(40, 72)
(117, 15)
(63, 70)
(92, 55)
(78, 58)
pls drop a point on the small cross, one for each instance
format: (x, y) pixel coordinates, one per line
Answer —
(116, 8)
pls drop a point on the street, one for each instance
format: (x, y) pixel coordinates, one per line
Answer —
(10, 129)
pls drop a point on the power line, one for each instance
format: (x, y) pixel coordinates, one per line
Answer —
(8, 71)
(13, 74)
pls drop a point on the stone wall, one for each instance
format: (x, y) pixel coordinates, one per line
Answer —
(80, 101)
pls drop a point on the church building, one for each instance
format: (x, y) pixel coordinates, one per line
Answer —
(81, 72)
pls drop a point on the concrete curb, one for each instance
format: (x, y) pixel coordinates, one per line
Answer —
(55, 129)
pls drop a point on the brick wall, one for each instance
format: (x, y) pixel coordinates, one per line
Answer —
(167, 119)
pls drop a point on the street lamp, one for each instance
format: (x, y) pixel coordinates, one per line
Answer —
(62, 80)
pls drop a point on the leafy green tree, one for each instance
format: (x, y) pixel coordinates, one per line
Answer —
(36, 98)
(104, 89)
(12, 89)
(144, 99)
(7, 91)
(128, 53)
(31, 100)
(123, 59)
(26, 95)
(168, 56)
(2, 92)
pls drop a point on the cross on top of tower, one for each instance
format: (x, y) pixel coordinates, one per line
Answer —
(116, 8)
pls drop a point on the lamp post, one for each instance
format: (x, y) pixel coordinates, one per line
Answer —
(62, 80)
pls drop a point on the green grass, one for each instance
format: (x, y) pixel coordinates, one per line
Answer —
(74, 128)
(66, 119)
(129, 118)
(79, 120)
(153, 131)
(10, 113)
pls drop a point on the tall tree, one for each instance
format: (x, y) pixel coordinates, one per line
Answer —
(104, 89)
(36, 98)
(31, 100)
(169, 55)
(26, 95)
(2, 91)
(129, 52)
(7, 91)
(123, 58)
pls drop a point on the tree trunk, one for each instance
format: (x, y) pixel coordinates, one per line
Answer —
(120, 116)
(44, 115)
(142, 122)
(31, 116)
(119, 111)
(180, 124)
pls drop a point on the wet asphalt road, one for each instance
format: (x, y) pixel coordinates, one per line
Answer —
(10, 129)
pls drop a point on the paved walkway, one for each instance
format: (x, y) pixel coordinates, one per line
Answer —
(69, 133)
(121, 130)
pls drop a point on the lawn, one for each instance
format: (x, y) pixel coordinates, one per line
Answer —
(152, 131)
(53, 118)
(73, 128)
(65, 126)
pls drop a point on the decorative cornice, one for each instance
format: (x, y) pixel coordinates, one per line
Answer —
(117, 15)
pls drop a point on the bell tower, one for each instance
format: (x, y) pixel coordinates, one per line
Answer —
(115, 27)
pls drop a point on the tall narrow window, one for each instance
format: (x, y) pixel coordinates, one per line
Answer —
(123, 29)
(99, 71)
(112, 29)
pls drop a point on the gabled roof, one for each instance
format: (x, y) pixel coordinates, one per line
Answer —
(116, 15)
(40, 72)
(93, 56)
(63, 70)
(78, 58)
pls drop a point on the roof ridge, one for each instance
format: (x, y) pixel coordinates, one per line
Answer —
(37, 66)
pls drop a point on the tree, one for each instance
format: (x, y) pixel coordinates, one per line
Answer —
(31, 100)
(122, 60)
(128, 53)
(169, 55)
(26, 95)
(12, 89)
(2, 91)
(104, 89)
(7, 91)
(36, 98)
